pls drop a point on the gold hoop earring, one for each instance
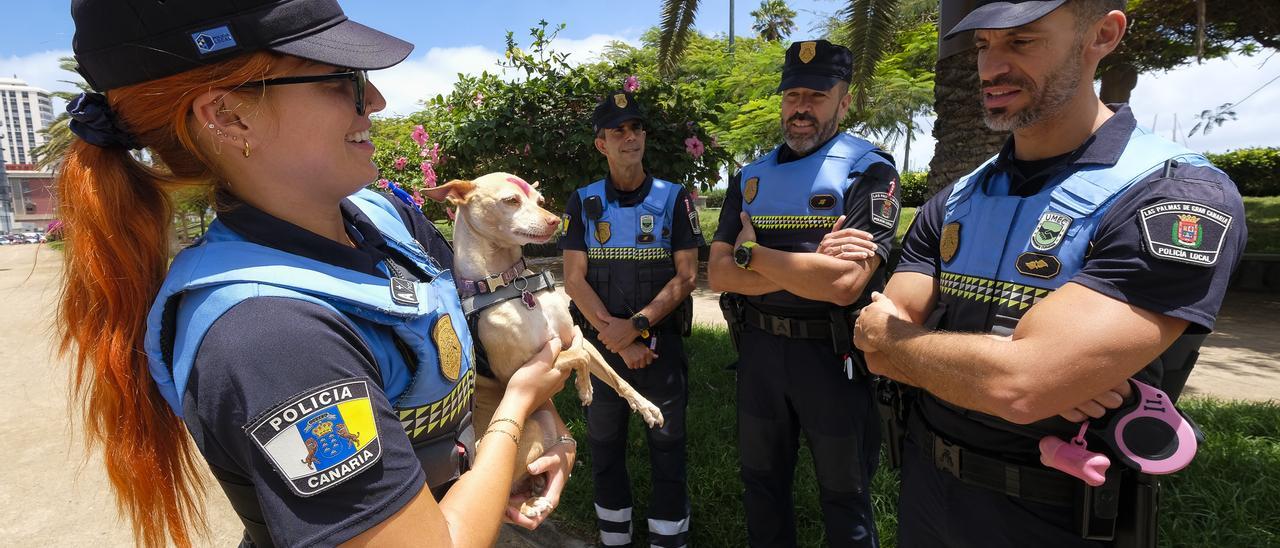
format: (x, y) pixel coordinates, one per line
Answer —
(246, 148)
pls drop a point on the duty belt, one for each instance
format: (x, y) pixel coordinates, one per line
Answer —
(790, 328)
(1033, 483)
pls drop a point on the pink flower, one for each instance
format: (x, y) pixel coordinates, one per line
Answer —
(428, 175)
(401, 162)
(418, 199)
(631, 85)
(434, 153)
(420, 136)
(478, 100)
(694, 147)
(382, 183)
(526, 149)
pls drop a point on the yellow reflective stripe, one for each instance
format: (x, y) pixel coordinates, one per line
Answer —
(792, 222)
(628, 253)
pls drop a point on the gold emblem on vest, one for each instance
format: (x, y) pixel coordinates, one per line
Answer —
(753, 186)
(950, 242)
(620, 99)
(808, 51)
(448, 347)
(603, 232)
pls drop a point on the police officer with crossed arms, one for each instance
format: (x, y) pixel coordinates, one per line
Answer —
(630, 259)
(1087, 252)
(787, 253)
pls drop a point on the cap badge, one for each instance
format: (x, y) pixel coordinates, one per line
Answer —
(213, 40)
(620, 100)
(808, 50)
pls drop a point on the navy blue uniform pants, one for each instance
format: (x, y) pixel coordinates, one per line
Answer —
(664, 383)
(936, 509)
(785, 387)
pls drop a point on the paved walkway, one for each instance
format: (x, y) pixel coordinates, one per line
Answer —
(51, 495)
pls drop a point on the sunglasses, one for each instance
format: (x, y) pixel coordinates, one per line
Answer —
(359, 79)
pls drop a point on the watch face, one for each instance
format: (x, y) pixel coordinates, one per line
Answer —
(741, 256)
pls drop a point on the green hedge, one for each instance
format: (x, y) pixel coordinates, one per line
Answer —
(915, 188)
(1256, 171)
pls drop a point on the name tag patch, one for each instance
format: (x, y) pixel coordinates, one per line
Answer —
(1185, 232)
(320, 438)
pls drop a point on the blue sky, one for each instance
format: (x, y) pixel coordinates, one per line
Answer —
(468, 37)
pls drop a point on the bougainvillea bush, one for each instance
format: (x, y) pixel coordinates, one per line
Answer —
(538, 126)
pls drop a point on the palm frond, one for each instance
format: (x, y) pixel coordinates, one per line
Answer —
(869, 28)
(677, 17)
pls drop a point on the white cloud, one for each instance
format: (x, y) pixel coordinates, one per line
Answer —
(423, 76)
(1187, 91)
(404, 86)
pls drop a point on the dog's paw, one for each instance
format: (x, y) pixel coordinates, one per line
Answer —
(649, 412)
(585, 392)
(535, 507)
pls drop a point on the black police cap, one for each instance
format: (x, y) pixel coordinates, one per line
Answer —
(992, 14)
(123, 42)
(615, 109)
(816, 64)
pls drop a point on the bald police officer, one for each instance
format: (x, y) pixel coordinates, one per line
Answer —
(630, 258)
(1087, 252)
(787, 254)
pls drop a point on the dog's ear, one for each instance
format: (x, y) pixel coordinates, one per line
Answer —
(455, 192)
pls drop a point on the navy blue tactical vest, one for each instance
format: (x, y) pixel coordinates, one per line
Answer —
(794, 204)
(398, 319)
(629, 256)
(1001, 254)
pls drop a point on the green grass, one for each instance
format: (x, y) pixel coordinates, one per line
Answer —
(1263, 217)
(1229, 496)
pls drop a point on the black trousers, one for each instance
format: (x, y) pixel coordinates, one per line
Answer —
(664, 383)
(936, 509)
(788, 386)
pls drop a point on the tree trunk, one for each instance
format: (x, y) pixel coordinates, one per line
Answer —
(906, 155)
(1118, 82)
(963, 139)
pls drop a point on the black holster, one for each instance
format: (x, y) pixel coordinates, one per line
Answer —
(1124, 510)
(733, 306)
(891, 404)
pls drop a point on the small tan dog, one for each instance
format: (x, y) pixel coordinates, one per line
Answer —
(497, 214)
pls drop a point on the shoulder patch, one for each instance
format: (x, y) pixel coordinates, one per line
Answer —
(694, 221)
(885, 206)
(564, 223)
(321, 437)
(1185, 232)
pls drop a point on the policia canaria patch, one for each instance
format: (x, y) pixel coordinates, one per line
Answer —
(1185, 232)
(320, 438)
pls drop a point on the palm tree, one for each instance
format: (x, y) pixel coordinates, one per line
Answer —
(58, 136)
(774, 20)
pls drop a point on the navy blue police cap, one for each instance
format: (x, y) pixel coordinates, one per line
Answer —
(123, 42)
(1005, 14)
(816, 64)
(614, 110)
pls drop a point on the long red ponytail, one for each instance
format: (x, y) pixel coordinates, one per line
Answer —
(117, 214)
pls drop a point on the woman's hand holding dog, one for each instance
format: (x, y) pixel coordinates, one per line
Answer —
(557, 463)
(538, 379)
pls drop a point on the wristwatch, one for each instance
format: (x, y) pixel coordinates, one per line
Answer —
(641, 323)
(742, 254)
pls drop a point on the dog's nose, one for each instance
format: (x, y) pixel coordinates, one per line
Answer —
(553, 221)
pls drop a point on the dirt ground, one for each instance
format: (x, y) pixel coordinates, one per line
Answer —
(54, 496)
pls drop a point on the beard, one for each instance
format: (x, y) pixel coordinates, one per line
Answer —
(1046, 102)
(804, 145)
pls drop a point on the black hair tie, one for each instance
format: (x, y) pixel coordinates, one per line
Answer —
(93, 121)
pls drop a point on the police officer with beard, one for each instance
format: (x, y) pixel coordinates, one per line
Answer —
(630, 258)
(1084, 228)
(804, 231)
